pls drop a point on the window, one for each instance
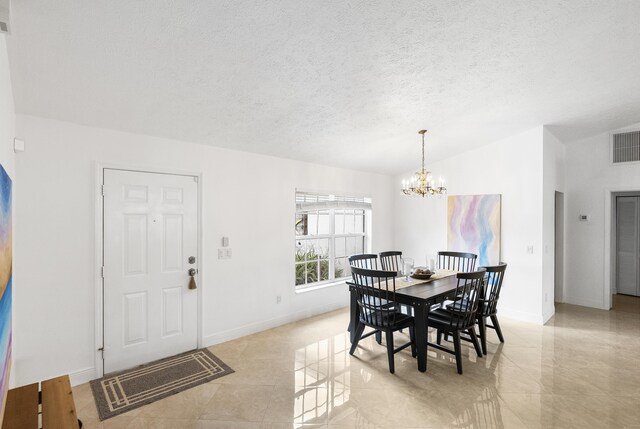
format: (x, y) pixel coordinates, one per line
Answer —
(329, 228)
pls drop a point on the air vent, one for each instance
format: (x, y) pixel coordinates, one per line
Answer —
(626, 147)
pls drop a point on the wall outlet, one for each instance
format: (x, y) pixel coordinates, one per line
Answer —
(546, 297)
(224, 253)
(530, 250)
(278, 299)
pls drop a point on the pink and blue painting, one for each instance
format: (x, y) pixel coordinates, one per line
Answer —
(6, 259)
(474, 226)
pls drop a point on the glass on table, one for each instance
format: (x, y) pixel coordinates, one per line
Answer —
(407, 268)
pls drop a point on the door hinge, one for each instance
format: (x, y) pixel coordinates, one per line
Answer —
(195, 179)
(102, 189)
(101, 350)
(102, 271)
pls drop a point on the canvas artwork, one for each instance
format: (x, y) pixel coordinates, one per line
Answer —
(474, 226)
(6, 257)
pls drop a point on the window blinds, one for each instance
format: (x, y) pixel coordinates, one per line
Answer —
(321, 201)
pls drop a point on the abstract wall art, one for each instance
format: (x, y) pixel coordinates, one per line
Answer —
(474, 226)
(6, 258)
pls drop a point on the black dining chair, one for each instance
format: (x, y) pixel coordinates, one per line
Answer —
(375, 292)
(368, 261)
(459, 315)
(487, 306)
(391, 260)
(457, 261)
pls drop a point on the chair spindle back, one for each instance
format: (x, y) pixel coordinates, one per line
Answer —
(391, 260)
(457, 261)
(367, 261)
(492, 285)
(464, 308)
(375, 292)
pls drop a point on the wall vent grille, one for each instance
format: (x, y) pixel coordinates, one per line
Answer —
(626, 147)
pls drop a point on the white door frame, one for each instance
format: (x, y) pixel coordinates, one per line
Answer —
(609, 242)
(98, 169)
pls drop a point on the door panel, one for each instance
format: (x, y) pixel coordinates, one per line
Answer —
(627, 245)
(150, 231)
(172, 307)
(135, 244)
(172, 257)
(135, 315)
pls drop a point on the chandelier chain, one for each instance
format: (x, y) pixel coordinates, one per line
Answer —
(423, 152)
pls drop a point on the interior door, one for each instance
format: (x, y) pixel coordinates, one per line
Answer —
(627, 245)
(150, 244)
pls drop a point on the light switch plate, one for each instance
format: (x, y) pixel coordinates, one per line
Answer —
(18, 145)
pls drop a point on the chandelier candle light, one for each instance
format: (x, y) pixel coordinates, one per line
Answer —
(421, 184)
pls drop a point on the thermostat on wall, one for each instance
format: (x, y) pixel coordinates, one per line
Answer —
(584, 218)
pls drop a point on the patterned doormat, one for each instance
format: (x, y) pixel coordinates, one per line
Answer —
(119, 392)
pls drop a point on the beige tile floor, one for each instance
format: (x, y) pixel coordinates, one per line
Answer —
(581, 370)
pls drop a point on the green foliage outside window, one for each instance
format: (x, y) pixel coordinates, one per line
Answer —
(307, 263)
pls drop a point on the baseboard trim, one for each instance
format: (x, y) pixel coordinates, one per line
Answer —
(82, 376)
(546, 317)
(521, 316)
(585, 302)
(252, 328)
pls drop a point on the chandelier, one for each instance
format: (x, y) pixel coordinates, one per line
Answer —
(421, 184)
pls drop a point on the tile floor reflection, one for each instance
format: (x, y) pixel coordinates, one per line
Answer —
(580, 370)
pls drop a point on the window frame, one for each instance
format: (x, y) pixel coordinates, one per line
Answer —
(332, 236)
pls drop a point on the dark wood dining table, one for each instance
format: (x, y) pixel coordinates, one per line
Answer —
(420, 297)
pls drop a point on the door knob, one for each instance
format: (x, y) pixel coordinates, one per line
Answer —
(192, 280)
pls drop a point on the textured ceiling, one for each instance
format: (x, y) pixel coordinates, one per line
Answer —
(346, 83)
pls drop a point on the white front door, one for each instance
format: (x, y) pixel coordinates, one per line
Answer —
(150, 244)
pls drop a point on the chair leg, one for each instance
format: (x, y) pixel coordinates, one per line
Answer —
(439, 337)
(379, 337)
(412, 337)
(482, 328)
(358, 334)
(496, 325)
(456, 346)
(474, 340)
(389, 338)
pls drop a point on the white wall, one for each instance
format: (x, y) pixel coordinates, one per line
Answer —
(511, 167)
(553, 180)
(589, 178)
(7, 113)
(54, 304)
